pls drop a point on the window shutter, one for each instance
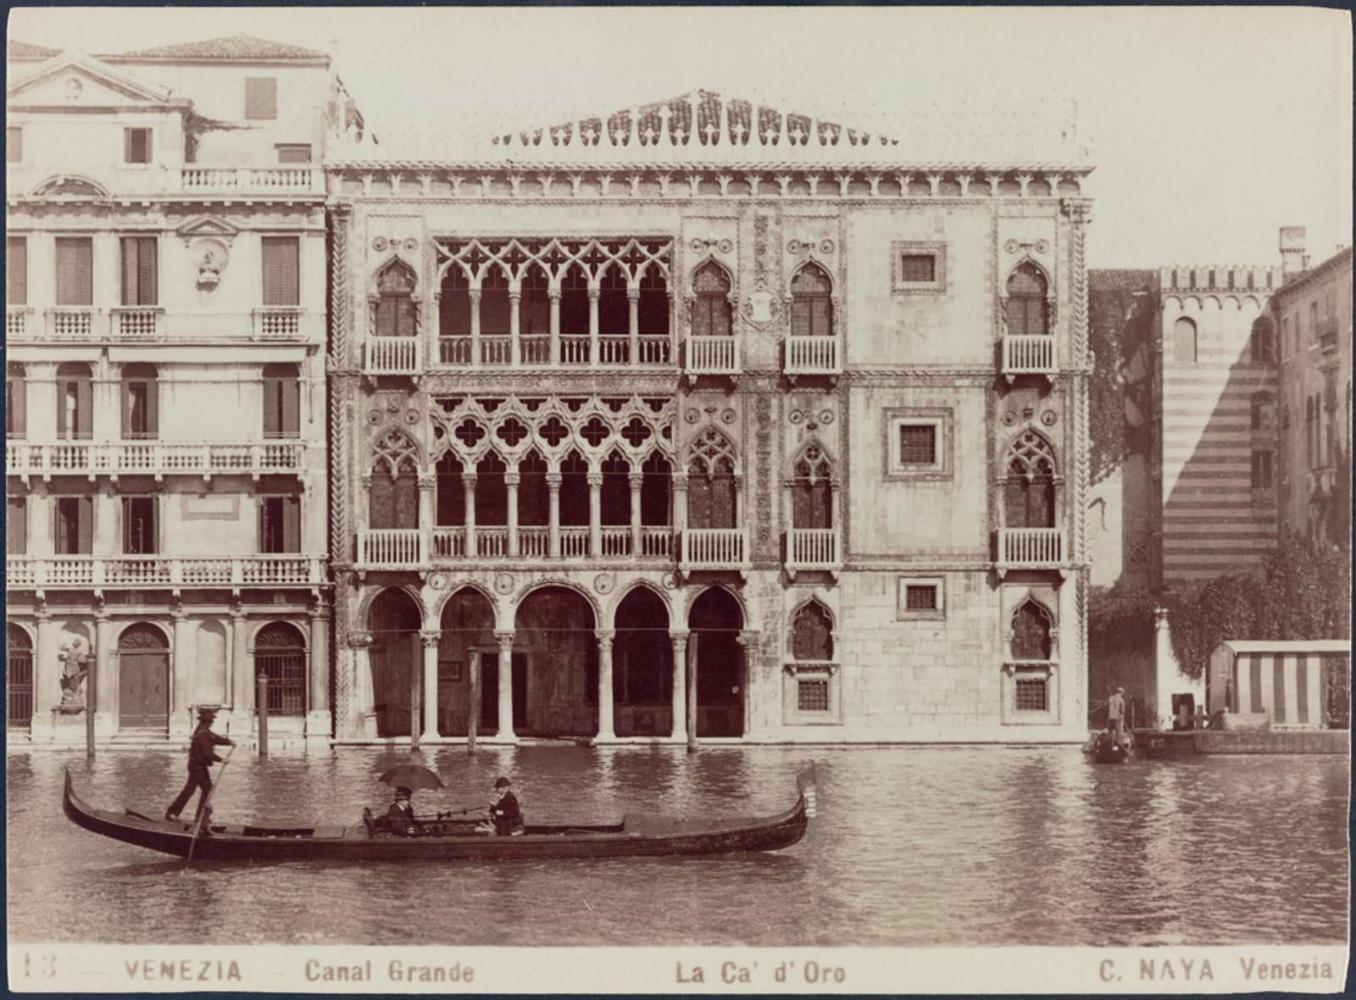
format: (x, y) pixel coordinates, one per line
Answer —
(16, 526)
(147, 277)
(75, 272)
(280, 271)
(16, 406)
(16, 285)
(272, 407)
(127, 407)
(152, 407)
(129, 271)
(265, 521)
(291, 507)
(84, 409)
(261, 97)
(62, 388)
(291, 407)
(128, 545)
(800, 317)
(822, 325)
(85, 521)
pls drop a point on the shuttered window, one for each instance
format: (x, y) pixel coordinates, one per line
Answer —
(136, 145)
(140, 403)
(74, 271)
(16, 271)
(282, 402)
(16, 401)
(140, 271)
(74, 528)
(16, 526)
(261, 97)
(138, 525)
(280, 524)
(281, 276)
(74, 403)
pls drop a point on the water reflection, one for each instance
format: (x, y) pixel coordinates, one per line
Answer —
(912, 846)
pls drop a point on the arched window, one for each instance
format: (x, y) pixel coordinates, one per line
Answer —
(574, 302)
(1262, 342)
(393, 496)
(533, 493)
(74, 400)
(282, 401)
(711, 312)
(450, 508)
(812, 634)
(1263, 412)
(656, 486)
(1031, 633)
(491, 491)
(1029, 487)
(574, 490)
(1184, 341)
(653, 307)
(616, 490)
(1027, 310)
(494, 304)
(280, 655)
(140, 401)
(16, 400)
(811, 303)
(534, 306)
(454, 306)
(712, 496)
(614, 312)
(18, 676)
(395, 308)
(812, 490)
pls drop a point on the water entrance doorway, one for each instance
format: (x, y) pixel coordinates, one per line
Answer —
(715, 623)
(554, 633)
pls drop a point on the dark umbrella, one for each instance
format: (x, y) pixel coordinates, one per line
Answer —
(411, 776)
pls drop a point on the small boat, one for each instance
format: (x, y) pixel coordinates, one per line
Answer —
(443, 839)
(1103, 749)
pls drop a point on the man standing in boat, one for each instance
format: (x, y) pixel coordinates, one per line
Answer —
(1115, 715)
(506, 818)
(201, 757)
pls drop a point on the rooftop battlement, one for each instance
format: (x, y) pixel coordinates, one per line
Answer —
(1219, 278)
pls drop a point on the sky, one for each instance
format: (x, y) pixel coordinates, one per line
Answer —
(1210, 128)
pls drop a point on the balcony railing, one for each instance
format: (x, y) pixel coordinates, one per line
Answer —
(136, 322)
(162, 570)
(713, 355)
(282, 323)
(714, 548)
(812, 549)
(533, 542)
(90, 458)
(17, 325)
(73, 323)
(290, 179)
(392, 355)
(391, 547)
(812, 356)
(534, 351)
(1028, 355)
(1031, 548)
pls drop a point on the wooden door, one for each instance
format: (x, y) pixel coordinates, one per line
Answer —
(143, 690)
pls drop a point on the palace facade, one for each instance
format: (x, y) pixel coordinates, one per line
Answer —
(165, 394)
(703, 420)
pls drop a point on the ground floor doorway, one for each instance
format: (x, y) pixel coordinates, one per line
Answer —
(143, 678)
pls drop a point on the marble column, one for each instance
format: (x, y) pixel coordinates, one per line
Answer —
(515, 330)
(595, 481)
(468, 485)
(554, 295)
(635, 480)
(594, 355)
(430, 641)
(606, 726)
(553, 514)
(105, 678)
(679, 697)
(46, 670)
(474, 296)
(427, 485)
(633, 325)
(242, 677)
(181, 680)
(505, 640)
(360, 702)
(511, 480)
(318, 708)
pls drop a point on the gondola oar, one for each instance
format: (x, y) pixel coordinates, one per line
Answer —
(207, 801)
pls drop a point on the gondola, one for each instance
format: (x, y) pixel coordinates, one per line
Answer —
(1102, 748)
(455, 839)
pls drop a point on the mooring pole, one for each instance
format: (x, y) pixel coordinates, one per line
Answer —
(416, 713)
(474, 721)
(692, 645)
(261, 706)
(91, 704)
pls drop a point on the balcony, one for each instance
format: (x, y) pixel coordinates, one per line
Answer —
(18, 325)
(712, 356)
(714, 549)
(163, 571)
(812, 356)
(278, 323)
(74, 323)
(391, 356)
(1028, 355)
(536, 542)
(133, 323)
(391, 548)
(286, 179)
(569, 350)
(812, 550)
(1030, 548)
(114, 458)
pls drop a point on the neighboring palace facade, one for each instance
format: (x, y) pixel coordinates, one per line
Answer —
(165, 418)
(701, 420)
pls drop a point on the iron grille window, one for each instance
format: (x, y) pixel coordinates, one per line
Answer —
(920, 597)
(138, 526)
(19, 679)
(920, 267)
(917, 444)
(1030, 695)
(812, 695)
(1261, 470)
(280, 655)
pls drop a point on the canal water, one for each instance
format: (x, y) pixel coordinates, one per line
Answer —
(912, 846)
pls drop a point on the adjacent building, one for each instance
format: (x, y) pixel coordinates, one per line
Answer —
(165, 388)
(707, 420)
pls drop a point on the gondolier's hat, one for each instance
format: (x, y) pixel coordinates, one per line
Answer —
(403, 793)
(206, 713)
(501, 783)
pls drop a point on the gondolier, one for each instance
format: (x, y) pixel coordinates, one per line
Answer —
(201, 757)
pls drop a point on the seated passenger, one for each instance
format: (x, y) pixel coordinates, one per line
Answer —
(506, 818)
(400, 816)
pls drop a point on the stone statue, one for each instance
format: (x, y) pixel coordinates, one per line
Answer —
(74, 654)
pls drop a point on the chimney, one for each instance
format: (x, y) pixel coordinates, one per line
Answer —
(1294, 260)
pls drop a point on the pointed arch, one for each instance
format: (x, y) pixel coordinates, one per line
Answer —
(614, 311)
(711, 306)
(393, 301)
(1029, 482)
(1031, 632)
(811, 301)
(811, 635)
(395, 452)
(1026, 300)
(712, 490)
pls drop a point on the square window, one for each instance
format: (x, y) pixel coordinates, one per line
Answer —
(293, 152)
(261, 97)
(920, 597)
(14, 144)
(136, 145)
(812, 695)
(917, 444)
(1029, 695)
(918, 266)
